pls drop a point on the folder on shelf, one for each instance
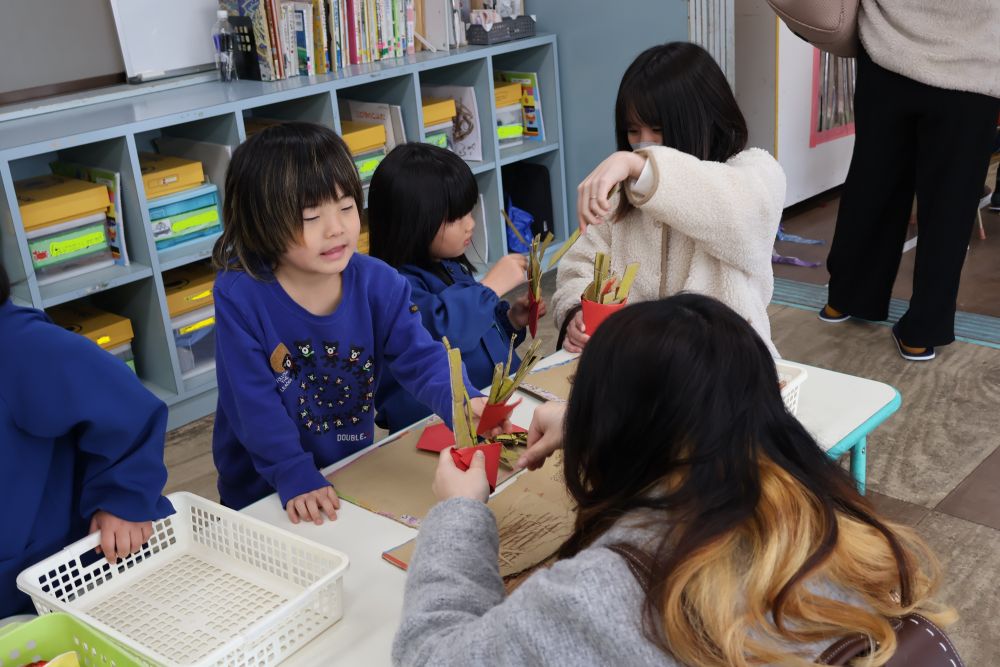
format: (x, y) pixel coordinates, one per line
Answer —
(189, 288)
(51, 199)
(166, 174)
(362, 137)
(437, 111)
(170, 231)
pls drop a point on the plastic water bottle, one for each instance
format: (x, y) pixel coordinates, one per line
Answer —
(225, 46)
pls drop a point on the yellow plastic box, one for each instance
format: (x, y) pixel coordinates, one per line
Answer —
(112, 332)
(51, 199)
(166, 174)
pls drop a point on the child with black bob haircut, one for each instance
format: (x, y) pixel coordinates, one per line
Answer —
(420, 220)
(305, 325)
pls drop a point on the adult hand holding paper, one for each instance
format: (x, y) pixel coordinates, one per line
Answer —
(452, 482)
(544, 435)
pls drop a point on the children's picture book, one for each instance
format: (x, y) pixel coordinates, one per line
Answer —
(468, 140)
(531, 102)
(112, 180)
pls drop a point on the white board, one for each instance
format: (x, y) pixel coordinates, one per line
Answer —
(160, 39)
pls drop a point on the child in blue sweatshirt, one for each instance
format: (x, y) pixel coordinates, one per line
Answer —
(420, 219)
(306, 326)
(81, 441)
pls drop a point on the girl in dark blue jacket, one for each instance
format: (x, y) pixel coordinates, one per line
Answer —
(81, 447)
(420, 221)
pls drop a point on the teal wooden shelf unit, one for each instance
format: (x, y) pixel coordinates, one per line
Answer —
(111, 134)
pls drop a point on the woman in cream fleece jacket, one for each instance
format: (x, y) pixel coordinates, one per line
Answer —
(699, 213)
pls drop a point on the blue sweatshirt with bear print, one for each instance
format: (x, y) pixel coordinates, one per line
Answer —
(297, 390)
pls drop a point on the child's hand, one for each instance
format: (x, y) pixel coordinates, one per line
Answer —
(450, 482)
(311, 506)
(478, 405)
(509, 272)
(593, 204)
(119, 537)
(576, 334)
(544, 435)
(520, 311)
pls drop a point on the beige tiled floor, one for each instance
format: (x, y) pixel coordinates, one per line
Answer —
(933, 465)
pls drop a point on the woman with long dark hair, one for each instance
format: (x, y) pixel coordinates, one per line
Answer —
(749, 546)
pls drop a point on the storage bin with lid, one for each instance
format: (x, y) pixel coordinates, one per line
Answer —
(111, 331)
(192, 316)
(67, 249)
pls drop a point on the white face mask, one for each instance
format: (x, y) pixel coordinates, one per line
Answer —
(643, 144)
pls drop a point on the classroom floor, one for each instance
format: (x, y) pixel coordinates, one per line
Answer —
(933, 465)
(816, 218)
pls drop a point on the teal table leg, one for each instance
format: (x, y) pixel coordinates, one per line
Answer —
(859, 463)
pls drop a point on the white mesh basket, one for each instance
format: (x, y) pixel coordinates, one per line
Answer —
(211, 587)
(792, 378)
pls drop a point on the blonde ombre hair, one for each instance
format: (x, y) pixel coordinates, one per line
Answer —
(745, 599)
(765, 549)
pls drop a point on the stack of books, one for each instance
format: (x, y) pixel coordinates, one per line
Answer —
(439, 121)
(111, 332)
(182, 206)
(366, 141)
(65, 220)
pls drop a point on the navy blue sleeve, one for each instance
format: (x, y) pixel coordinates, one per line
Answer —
(418, 362)
(503, 319)
(70, 386)
(463, 312)
(256, 414)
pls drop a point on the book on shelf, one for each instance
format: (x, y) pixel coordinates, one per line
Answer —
(306, 37)
(468, 136)
(321, 44)
(389, 115)
(531, 102)
(115, 217)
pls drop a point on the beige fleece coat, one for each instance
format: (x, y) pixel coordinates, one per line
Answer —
(953, 44)
(705, 227)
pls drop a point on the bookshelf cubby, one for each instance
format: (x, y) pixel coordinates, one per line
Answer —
(111, 135)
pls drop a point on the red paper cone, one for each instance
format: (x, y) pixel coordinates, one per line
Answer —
(494, 414)
(463, 459)
(595, 313)
(532, 314)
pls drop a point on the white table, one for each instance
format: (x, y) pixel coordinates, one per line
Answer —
(839, 410)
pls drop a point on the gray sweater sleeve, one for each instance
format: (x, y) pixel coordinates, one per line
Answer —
(455, 611)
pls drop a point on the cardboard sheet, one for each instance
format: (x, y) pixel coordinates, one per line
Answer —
(394, 480)
(534, 514)
(551, 384)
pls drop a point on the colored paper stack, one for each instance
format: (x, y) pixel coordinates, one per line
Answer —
(182, 207)
(65, 220)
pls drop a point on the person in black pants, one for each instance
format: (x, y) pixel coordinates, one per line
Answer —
(910, 138)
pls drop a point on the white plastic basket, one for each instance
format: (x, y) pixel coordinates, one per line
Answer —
(792, 377)
(211, 587)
